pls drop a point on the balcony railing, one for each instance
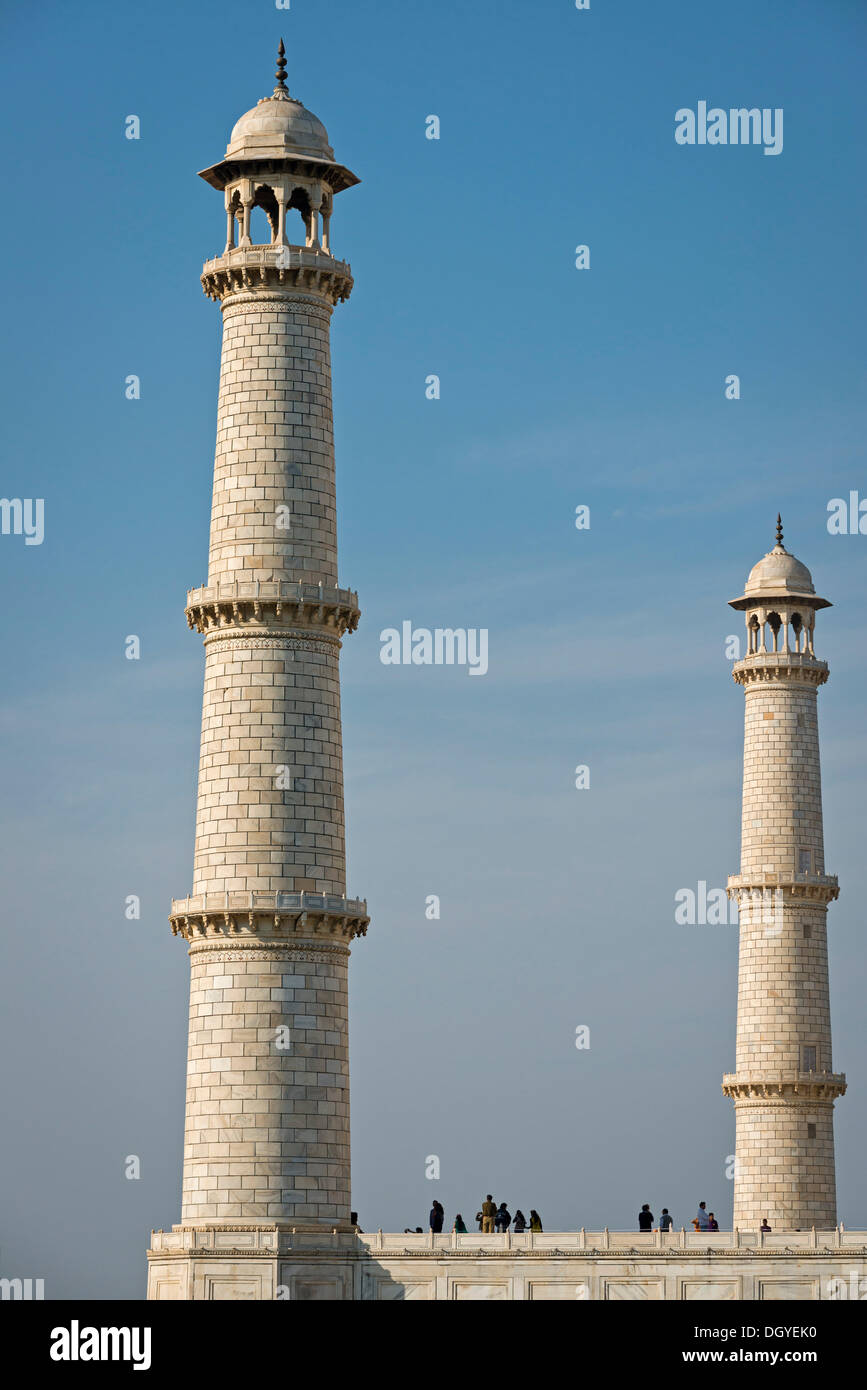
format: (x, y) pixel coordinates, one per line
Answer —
(279, 1237)
(278, 257)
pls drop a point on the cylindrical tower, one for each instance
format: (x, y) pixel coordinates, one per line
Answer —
(268, 922)
(784, 1086)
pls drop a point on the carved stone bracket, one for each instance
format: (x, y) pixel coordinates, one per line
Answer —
(273, 604)
(806, 1086)
(270, 268)
(799, 889)
(268, 916)
(791, 668)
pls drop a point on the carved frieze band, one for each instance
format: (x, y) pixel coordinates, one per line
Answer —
(284, 639)
(291, 302)
(265, 951)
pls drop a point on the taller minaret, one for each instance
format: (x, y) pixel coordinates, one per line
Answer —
(268, 922)
(784, 1086)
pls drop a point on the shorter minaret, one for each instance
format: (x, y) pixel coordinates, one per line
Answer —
(784, 1086)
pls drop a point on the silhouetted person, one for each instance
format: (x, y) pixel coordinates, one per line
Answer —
(535, 1221)
(520, 1223)
(764, 1225)
(353, 1221)
(459, 1225)
(489, 1211)
(665, 1221)
(645, 1219)
(437, 1214)
(480, 1219)
(503, 1218)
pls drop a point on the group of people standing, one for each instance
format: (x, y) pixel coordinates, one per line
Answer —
(497, 1219)
(703, 1220)
(491, 1219)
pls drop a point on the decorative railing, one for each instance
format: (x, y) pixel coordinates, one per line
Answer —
(269, 589)
(283, 1237)
(270, 902)
(279, 257)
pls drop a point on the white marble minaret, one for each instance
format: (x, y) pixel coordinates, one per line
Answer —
(268, 922)
(784, 1085)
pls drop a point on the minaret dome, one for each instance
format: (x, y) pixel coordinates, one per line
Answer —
(779, 603)
(279, 159)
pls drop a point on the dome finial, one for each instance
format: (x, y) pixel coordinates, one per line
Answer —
(780, 531)
(280, 74)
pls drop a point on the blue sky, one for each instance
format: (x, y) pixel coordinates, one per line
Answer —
(558, 387)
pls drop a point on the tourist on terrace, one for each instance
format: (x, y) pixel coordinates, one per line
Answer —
(489, 1211)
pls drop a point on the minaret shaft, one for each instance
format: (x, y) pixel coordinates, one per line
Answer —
(272, 701)
(267, 1116)
(781, 816)
(274, 444)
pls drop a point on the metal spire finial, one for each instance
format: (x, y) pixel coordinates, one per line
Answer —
(280, 74)
(780, 530)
